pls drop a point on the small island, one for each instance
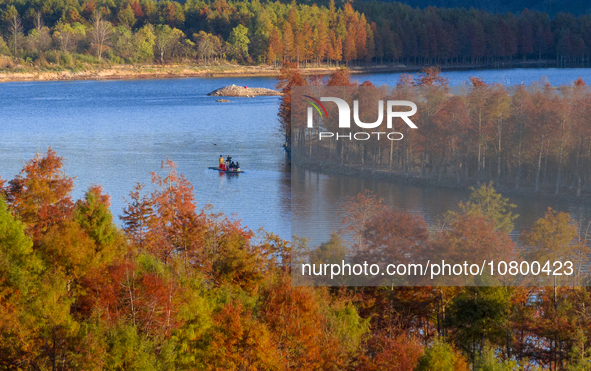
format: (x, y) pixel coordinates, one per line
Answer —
(242, 91)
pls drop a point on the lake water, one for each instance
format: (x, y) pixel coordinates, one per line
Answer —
(114, 133)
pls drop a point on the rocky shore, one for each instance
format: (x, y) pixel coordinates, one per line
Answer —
(243, 91)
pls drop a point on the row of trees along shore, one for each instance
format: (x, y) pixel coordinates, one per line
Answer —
(179, 288)
(68, 33)
(535, 136)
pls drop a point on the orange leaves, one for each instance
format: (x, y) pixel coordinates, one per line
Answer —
(289, 76)
(299, 329)
(477, 81)
(132, 291)
(390, 352)
(553, 237)
(67, 248)
(358, 211)
(40, 194)
(240, 342)
(431, 76)
(137, 215)
(167, 225)
(475, 237)
(395, 236)
(275, 46)
(340, 77)
(137, 9)
(234, 259)
(165, 222)
(177, 225)
(579, 82)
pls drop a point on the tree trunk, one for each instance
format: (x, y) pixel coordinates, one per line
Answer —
(579, 167)
(478, 167)
(499, 153)
(425, 149)
(518, 158)
(560, 158)
(539, 165)
(442, 159)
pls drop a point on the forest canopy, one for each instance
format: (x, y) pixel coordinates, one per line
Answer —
(72, 33)
(182, 288)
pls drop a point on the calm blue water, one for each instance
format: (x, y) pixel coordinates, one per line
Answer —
(527, 76)
(114, 133)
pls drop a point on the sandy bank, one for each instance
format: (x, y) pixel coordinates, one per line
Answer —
(129, 72)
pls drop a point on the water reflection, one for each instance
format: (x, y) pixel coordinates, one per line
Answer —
(318, 202)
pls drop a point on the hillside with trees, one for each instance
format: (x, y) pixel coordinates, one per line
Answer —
(44, 34)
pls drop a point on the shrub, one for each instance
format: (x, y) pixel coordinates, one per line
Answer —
(442, 357)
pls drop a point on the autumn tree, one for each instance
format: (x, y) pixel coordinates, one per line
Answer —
(479, 315)
(239, 341)
(289, 77)
(435, 88)
(238, 42)
(99, 33)
(207, 44)
(478, 97)
(137, 215)
(177, 224)
(15, 28)
(359, 211)
(165, 38)
(522, 106)
(441, 356)
(95, 218)
(40, 194)
(553, 238)
(486, 201)
(394, 236)
(386, 351)
(19, 267)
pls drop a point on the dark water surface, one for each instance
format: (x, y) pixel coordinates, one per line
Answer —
(113, 133)
(318, 201)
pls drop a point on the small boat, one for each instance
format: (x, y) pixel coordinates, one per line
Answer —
(226, 171)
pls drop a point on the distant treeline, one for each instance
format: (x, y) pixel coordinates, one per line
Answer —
(538, 135)
(132, 31)
(552, 7)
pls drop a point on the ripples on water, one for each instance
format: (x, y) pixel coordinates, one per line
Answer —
(113, 133)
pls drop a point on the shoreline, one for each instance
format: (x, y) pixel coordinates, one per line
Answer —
(145, 72)
(141, 72)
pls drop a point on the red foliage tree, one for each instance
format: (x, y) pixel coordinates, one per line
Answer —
(40, 194)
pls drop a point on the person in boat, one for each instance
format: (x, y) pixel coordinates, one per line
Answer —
(228, 162)
(222, 163)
